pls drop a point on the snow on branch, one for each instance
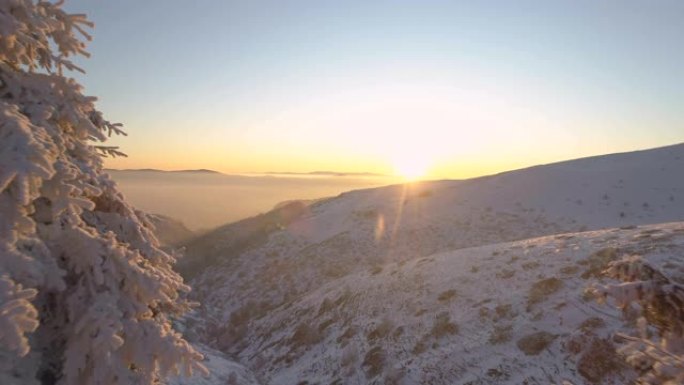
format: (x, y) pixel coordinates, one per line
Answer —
(87, 296)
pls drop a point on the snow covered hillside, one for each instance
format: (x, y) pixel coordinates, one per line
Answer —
(222, 371)
(417, 283)
(509, 313)
(169, 231)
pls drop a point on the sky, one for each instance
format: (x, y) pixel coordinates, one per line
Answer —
(440, 89)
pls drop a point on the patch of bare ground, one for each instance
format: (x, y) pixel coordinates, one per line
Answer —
(535, 343)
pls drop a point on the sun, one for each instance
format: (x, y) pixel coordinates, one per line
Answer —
(411, 166)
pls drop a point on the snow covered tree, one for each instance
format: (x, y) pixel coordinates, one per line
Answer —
(86, 294)
(658, 351)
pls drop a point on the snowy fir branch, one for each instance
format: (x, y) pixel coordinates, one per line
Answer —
(87, 296)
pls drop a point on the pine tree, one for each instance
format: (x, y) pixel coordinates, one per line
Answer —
(86, 294)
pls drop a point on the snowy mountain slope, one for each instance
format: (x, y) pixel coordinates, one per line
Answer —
(289, 252)
(631, 188)
(222, 371)
(169, 231)
(509, 313)
(232, 239)
(247, 273)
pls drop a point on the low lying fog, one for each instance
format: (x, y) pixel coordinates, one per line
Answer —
(203, 200)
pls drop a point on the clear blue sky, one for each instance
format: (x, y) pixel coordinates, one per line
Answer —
(465, 87)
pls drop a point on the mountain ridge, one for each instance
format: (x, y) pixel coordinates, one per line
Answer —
(299, 266)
